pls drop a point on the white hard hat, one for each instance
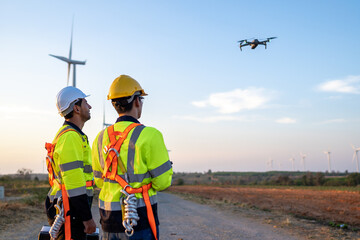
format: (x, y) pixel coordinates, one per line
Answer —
(66, 99)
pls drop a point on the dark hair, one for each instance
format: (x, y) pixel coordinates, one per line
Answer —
(71, 114)
(121, 105)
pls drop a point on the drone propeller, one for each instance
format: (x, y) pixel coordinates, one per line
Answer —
(241, 41)
(271, 38)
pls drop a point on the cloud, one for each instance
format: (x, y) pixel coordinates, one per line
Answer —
(286, 120)
(338, 120)
(236, 100)
(351, 84)
(211, 119)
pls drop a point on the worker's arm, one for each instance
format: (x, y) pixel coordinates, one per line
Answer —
(95, 154)
(71, 163)
(90, 226)
(158, 162)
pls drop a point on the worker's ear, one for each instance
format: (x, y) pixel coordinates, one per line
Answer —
(77, 109)
(137, 102)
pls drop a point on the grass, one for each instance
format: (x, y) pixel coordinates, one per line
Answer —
(319, 188)
(29, 200)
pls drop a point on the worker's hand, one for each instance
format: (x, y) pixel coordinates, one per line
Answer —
(90, 226)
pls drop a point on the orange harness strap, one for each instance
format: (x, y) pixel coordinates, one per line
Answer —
(112, 160)
(115, 144)
(90, 183)
(66, 213)
(50, 147)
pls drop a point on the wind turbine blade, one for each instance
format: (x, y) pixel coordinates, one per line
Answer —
(354, 157)
(72, 28)
(61, 58)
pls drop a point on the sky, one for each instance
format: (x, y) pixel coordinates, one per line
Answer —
(217, 107)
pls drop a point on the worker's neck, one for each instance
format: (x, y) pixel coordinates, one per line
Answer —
(77, 121)
(129, 114)
(132, 113)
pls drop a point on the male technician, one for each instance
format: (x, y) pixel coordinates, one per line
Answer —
(71, 171)
(129, 156)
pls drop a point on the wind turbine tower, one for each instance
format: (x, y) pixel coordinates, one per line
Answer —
(292, 160)
(70, 61)
(105, 125)
(270, 163)
(303, 156)
(328, 156)
(357, 158)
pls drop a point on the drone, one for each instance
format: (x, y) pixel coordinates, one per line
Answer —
(254, 43)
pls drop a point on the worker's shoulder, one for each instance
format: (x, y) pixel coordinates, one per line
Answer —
(151, 131)
(68, 133)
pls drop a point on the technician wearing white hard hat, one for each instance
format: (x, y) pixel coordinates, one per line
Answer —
(70, 171)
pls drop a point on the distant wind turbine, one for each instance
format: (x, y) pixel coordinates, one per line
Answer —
(105, 125)
(292, 160)
(70, 61)
(303, 156)
(357, 158)
(270, 163)
(328, 156)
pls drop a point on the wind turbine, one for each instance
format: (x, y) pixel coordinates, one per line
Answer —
(270, 163)
(328, 156)
(70, 61)
(303, 156)
(356, 155)
(292, 160)
(105, 125)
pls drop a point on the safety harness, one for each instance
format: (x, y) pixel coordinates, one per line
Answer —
(112, 163)
(54, 179)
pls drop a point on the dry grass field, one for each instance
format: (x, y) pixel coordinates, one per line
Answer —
(24, 201)
(323, 213)
(331, 207)
(310, 213)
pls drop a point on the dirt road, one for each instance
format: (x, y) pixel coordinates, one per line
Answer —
(183, 220)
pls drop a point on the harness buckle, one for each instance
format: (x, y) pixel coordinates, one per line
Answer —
(50, 159)
(112, 149)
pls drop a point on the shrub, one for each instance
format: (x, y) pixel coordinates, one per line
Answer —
(180, 182)
(353, 179)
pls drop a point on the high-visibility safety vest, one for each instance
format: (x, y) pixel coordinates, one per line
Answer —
(69, 166)
(143, 157)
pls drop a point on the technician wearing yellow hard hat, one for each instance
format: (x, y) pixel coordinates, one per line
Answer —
(129, 156)
(69, 166)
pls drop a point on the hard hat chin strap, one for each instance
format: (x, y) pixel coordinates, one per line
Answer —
(70, 108)
(133, 96)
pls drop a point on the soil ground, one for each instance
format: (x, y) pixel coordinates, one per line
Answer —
(259, 213)
(312, 213)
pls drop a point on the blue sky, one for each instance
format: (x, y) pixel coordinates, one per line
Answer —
(218, 107)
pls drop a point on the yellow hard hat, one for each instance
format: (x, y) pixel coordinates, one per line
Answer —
(124, 86)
